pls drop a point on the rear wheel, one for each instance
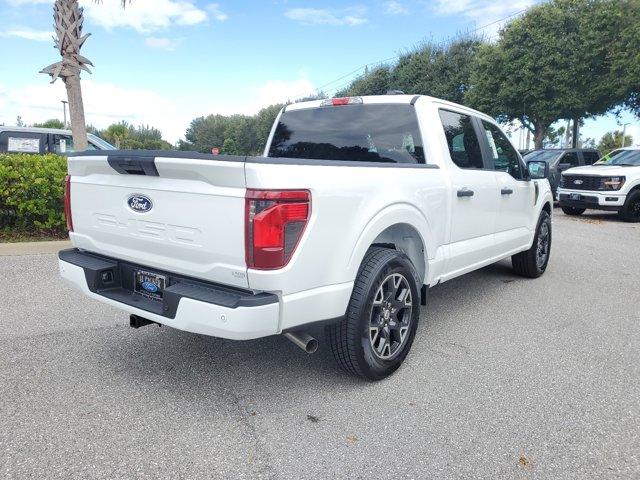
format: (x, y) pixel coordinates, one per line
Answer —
(630, 212)
(376, 335)
(573, 210)
(533, 262)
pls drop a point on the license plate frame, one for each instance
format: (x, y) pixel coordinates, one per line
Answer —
(575, 197)
(149, 284)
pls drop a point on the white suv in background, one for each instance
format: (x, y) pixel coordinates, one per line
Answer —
(612, 183)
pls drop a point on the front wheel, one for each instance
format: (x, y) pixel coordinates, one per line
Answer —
(376, 334)
(532, 263)
(630, 212)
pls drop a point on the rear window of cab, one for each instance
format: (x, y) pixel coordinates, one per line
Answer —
(386, 133)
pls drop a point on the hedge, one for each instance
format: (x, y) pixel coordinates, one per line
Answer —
(32, 192)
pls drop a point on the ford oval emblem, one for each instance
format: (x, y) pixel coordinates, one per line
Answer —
(150, 287)
(140, 203)
(578, 182)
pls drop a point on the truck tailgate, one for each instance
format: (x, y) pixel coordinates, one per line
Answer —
(177, 214)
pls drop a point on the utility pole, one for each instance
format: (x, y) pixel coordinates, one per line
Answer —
(624, 132)
(64, 109)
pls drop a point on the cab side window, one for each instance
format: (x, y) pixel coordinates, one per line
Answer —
(462, 140)
(590, 157)
(570, 158)
(63, 144)
(505, 157)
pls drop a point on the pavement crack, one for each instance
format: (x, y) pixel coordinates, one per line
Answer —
(265, 469)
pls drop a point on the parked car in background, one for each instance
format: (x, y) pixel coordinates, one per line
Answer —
(612, 183)
(561, 159)
(358, 206)
(44, 140)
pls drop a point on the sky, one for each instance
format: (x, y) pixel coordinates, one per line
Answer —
(166, 62)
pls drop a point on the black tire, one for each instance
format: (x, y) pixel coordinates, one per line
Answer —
(573, 211)
(352, 339)
(630, 212)
(531, 263)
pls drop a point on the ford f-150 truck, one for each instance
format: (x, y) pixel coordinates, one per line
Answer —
(612, 183)
(356, 208)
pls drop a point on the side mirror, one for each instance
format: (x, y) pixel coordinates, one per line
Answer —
(538, 169)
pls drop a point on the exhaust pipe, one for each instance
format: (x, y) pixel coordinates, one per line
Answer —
(303, 340)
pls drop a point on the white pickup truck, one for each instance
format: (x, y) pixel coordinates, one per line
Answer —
(356, 208)
(612, 183)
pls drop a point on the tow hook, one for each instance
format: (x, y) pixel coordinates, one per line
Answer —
(136, 322)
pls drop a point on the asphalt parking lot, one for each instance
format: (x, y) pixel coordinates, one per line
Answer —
(507, 378)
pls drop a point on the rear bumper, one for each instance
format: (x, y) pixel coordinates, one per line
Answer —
(611, 201)
(188, 304)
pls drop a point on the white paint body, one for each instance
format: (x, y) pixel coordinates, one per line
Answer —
(196, 227)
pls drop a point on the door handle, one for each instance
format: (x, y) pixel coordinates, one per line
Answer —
(465, 192)
(506, 191)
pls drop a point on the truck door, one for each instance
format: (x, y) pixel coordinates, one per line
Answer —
(474, 196)
(516, 193)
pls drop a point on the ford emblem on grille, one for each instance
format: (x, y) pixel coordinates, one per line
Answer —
(140, 203)
(578, 182)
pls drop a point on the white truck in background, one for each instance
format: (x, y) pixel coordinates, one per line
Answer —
(612, 184)
(356, 208)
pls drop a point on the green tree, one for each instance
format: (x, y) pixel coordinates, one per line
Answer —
(440, 70)
(116, 134)
(551, 63)
(229, 147)
(612, 140)
(69, 38)
(51, 123)
(264, 121)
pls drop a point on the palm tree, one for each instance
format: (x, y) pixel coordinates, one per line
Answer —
(69, 17)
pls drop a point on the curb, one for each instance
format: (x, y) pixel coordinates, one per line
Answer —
(33, 248)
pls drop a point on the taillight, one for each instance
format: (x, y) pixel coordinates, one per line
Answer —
(67, 203)
(275, 221)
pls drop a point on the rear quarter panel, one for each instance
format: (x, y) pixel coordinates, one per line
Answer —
(350, 206)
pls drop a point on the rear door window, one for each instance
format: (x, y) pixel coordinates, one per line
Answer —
(462, 139)
(362, 133)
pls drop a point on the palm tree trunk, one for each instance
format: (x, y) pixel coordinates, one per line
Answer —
(76, 111)
(69, 17)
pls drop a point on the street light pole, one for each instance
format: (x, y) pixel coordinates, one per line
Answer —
(624, 132)
(64, 109)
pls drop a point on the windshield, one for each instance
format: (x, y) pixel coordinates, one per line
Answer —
(622, 158)
(548, 156)
(100, 143)
(364, 133)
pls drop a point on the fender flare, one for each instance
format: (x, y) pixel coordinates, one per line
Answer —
(399, 213)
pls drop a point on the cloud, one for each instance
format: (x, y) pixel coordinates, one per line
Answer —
(351, 17)
(144, 15)
(161, 43)
(393, 7)
(483, 12)
(106, 103)
(28, 34)
(216, 11)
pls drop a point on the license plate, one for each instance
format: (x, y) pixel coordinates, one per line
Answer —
(150, 285)
(574, 196)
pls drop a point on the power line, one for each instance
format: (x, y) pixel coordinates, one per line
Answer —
(395, 57)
